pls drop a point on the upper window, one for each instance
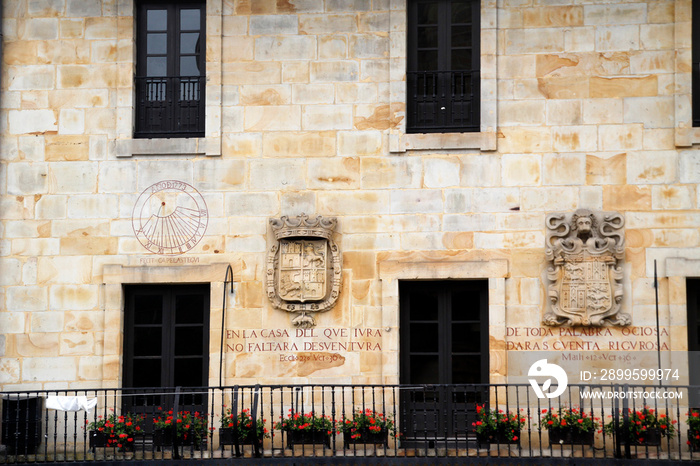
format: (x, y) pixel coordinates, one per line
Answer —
(696, 62)
(443, 66)
(170, 69)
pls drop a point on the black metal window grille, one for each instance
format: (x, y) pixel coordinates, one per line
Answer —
(696, 62)
(443, 76)
(170, 69)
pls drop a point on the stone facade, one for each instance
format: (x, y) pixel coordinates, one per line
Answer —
(585, 105)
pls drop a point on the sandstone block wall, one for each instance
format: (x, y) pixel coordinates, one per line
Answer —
(584, 104)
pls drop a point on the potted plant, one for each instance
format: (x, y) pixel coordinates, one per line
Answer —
(569, 426)
(646, 427)
(694, 429)
(306, 428)
(191, 428)
(240, 427)
(114, 431)
(366, 427)
(495, 426)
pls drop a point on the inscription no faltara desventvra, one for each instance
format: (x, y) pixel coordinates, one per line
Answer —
(307, 340)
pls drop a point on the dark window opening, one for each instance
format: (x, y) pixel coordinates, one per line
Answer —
(170, 69)
(445, 348)
(693, 300)
(166, 344)
(443, 78)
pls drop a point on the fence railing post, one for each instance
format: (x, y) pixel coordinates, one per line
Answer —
(176, 411)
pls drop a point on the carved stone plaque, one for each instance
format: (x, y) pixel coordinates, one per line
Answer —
(584, 250)
(303, 267)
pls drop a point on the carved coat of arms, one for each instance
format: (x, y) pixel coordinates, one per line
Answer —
(303, 267)
(584, 250)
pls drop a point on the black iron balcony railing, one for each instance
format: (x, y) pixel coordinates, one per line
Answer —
(169, 106)
(380, 423)
(443, 101)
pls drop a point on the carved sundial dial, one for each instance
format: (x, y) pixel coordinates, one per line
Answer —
(170, 217)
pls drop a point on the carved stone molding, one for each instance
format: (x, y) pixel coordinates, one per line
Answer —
(584, 250)
(303, 267)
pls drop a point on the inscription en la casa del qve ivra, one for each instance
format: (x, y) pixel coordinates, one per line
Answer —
(307, 340)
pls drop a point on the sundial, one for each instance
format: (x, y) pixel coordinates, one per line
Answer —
(170, 217)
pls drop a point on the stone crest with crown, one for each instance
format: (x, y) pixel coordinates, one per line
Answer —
(585, 251)
(303, 267)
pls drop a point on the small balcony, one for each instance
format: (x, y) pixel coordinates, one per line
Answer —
(169, 107)
(352, 424)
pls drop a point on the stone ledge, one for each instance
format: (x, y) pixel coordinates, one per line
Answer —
(211, 147)
(485, 141)
(682, 267)
(455, 269)
(119, 274)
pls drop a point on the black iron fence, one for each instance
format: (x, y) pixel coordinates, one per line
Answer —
(371, 421)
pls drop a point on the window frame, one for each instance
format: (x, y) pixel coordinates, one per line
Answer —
(486, 139)
(450, 83)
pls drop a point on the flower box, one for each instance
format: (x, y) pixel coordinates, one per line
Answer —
(310, 437)
(228, 436)
(569, 437)
(651, 437)
(366, 437)
(498, 437)
(100, 439)
(164, 438)
(694, 440)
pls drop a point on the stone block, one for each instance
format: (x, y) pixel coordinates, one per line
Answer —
(71, 28)
(327, 24)
(495, 199)
(273, 118)
(31, 148)
(78, 98)
(102, 27)
(602, 110)
(521, 113)
(153, 171)
(601, 15)
(285, 48)
(611, 169)
(524, 140)
(73, 297)
(27, 178)
(332, 47)
(521, 169)
(36, 344)
(219, 175)
(48, 369)
(574, 138)
(416, 201)
(295, 72)
(333, 173)
(676, 238)
(549, 199)
(83, 8)
(275, 174)
(10, 370)
(35, 246)
(564, 112)
(249, 204)
(626, 197)
(623, 86)
(79, 343)
(440, 172)
(394, 172)
(93, 206)
(652, 167)
(313, 94)
(298, 202)
(274, 25)
(26, 298)
(653, 112)
(117, 177)
(480, 170)
(356, 92)
(298, 144)
(40, 29)
(673, 197)
(64, 270)
(553, 16)
(360, 143)
(32, 121)
(67, 148)
(71, 121)
(530, 41)
(353, 202)
(334, 71)
(327, 117)
(256, 72)
(90, 369)
(237, 49)
(619, 137)
(89, 245)
(241, 145)
(564, 169)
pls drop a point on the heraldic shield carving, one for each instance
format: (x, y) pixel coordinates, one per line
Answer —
(584, 250)
(303, 267)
